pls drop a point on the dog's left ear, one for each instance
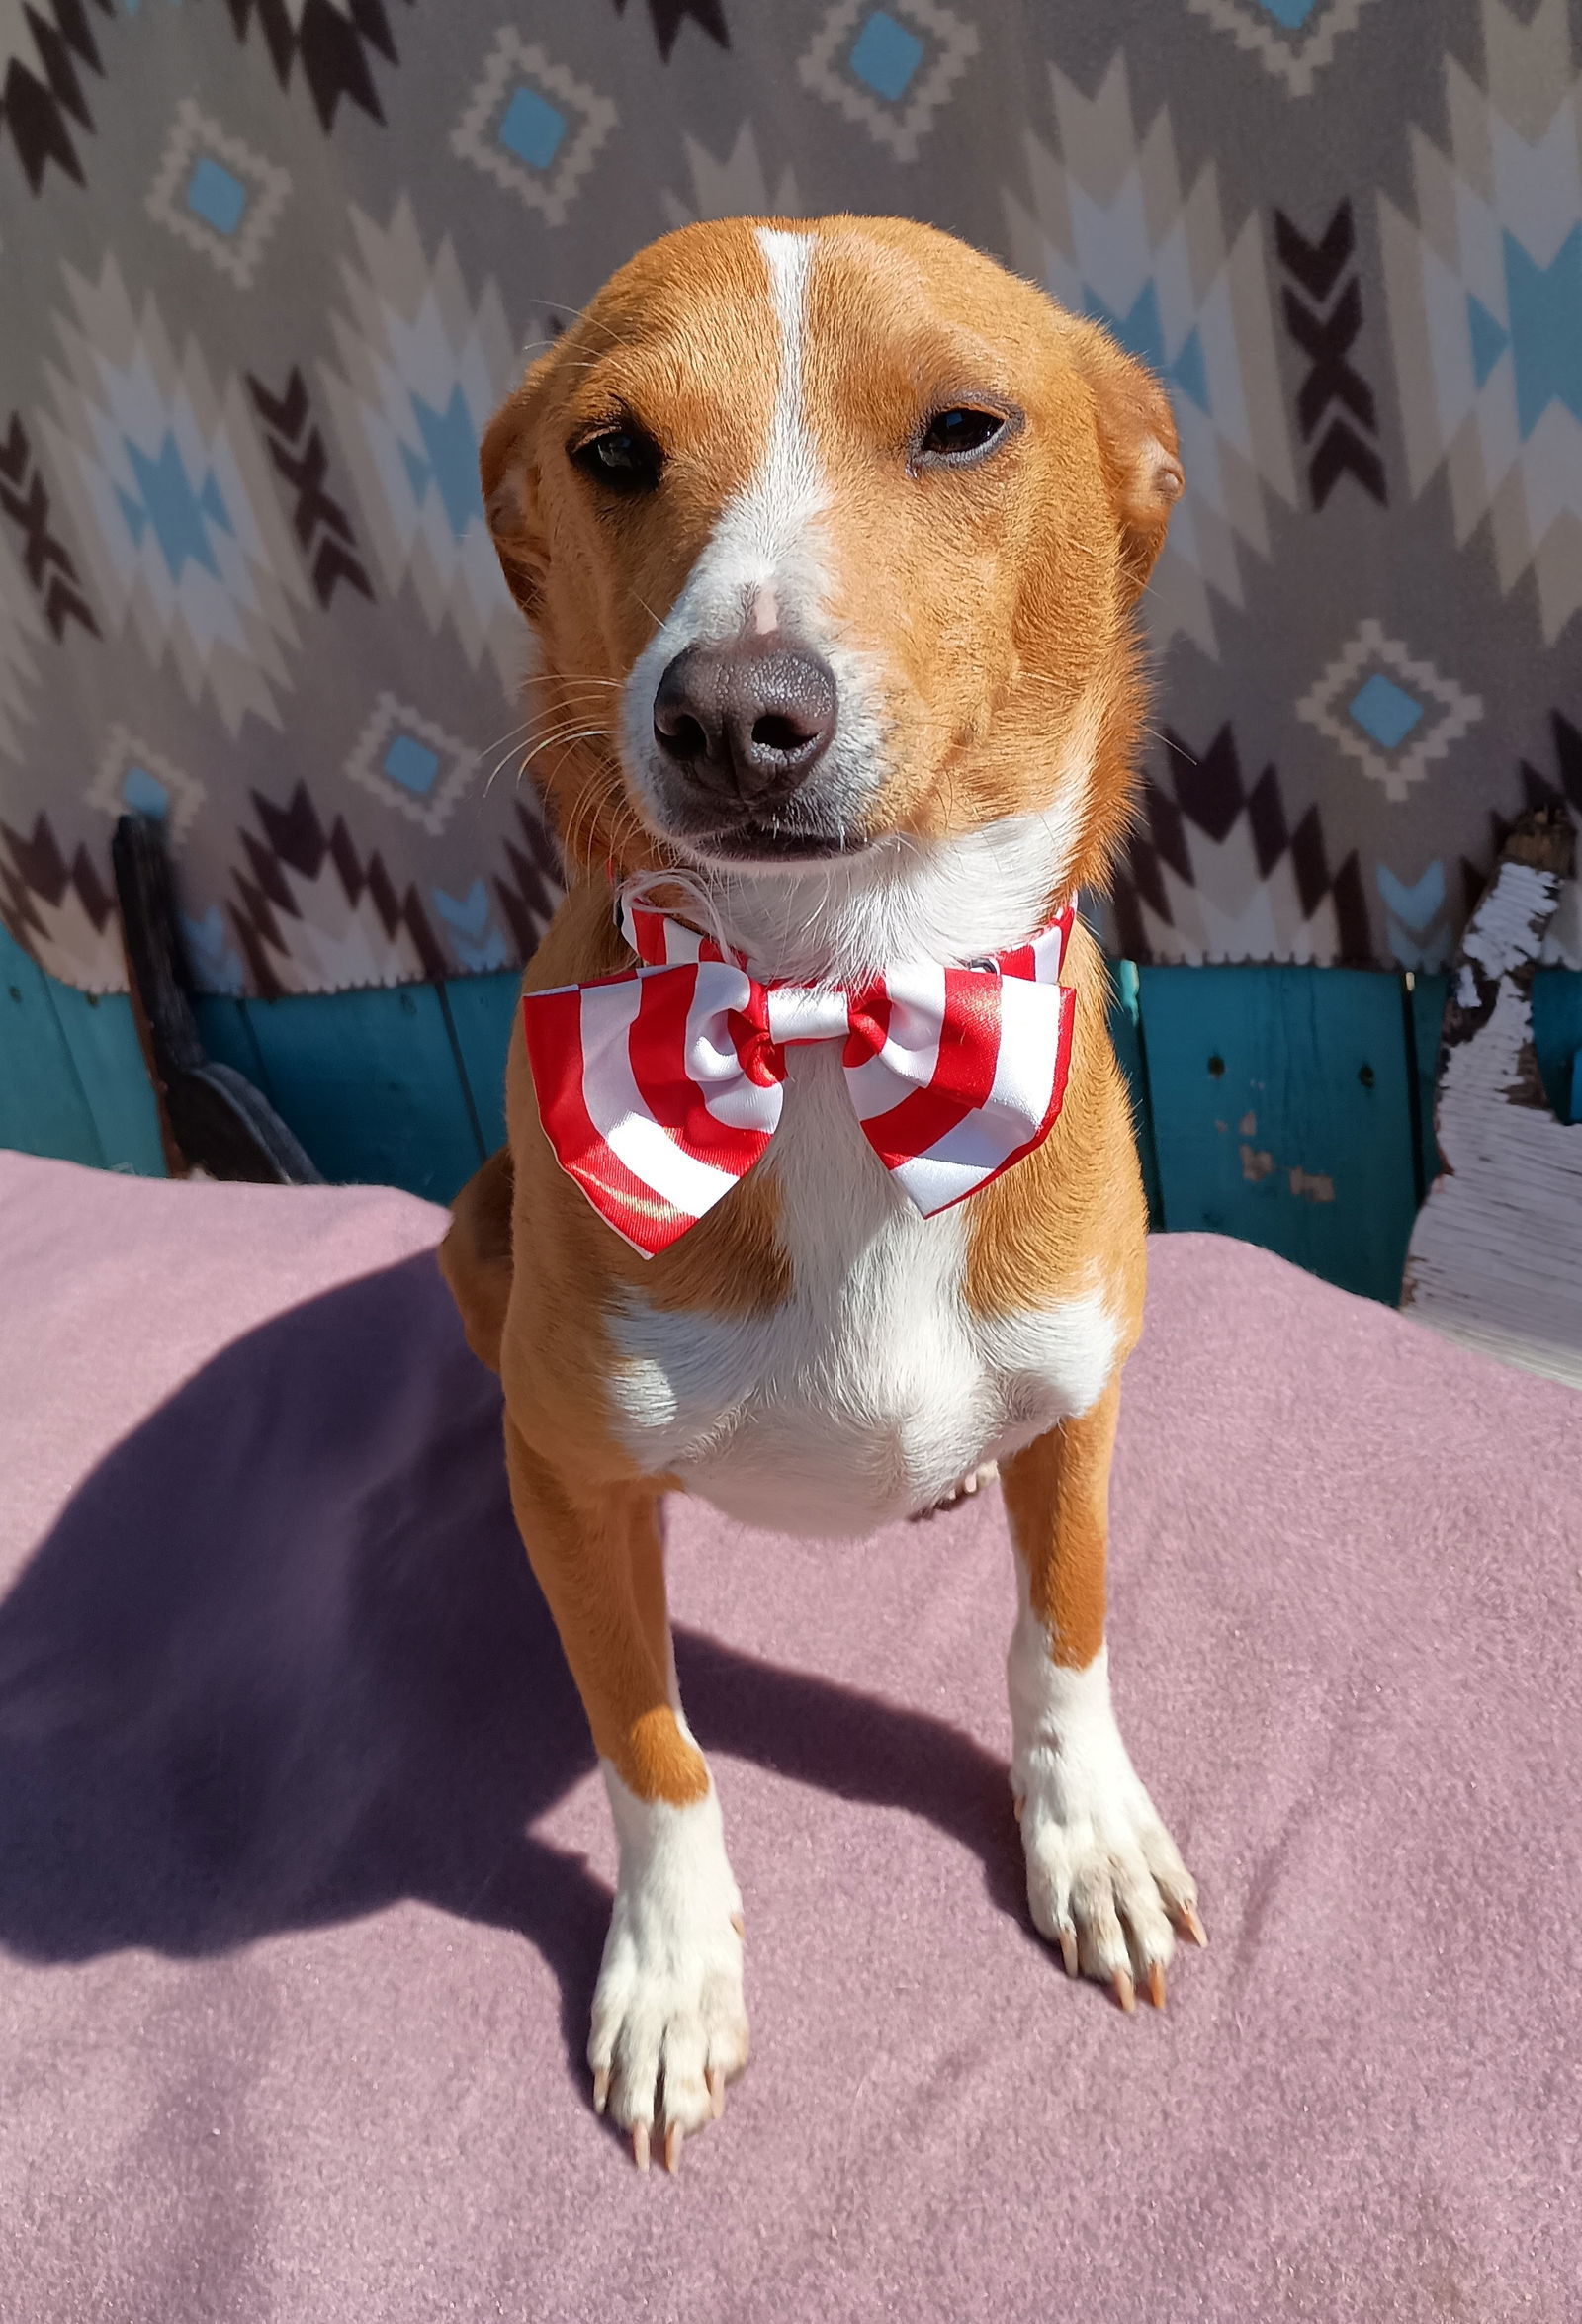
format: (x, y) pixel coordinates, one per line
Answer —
(1137, 435)
(509, 476)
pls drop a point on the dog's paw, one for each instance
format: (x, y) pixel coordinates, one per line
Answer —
(1106, 1885)
(669, 2023)
(1106, 1881)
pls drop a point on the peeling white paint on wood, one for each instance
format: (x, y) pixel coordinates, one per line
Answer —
(1563, 938)
(1496, 1255)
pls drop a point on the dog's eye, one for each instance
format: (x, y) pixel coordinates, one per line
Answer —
(959, 434)
(622, 460)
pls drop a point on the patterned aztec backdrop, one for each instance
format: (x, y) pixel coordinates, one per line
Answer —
(267, 265)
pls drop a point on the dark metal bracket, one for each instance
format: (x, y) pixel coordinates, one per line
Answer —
(213, 1118)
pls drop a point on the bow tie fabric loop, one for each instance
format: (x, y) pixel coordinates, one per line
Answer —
(661, 1086)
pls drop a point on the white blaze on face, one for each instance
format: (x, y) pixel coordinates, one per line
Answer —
(760, 570)
(768, 567)
(770, 526)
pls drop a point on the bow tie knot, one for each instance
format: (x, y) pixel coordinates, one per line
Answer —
(808, 1012)
(661, 1086)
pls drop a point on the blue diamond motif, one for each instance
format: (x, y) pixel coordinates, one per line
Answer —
(411, 764)
(1292, 15)
(469, 913)
(1489, 337)
(1385, 712)
(885, 56)
(1189, 371)
(1417, 905)
(179, 516)
(216, 195)
(477, 943)
(450, 440)
(1545, 304)
(1141, 332)
(143, 792)
(206, 941)
(532, 129)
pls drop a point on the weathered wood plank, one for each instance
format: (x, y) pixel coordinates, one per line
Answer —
(368, 1083)
(1127, 1032)
(227, 1033)
(1557, 1003)
(99, 1030)
(1425, 1000)
(1282, 1103)
(482, 1015)
(389, 1085)
(1496, 1255)
(43, 1108)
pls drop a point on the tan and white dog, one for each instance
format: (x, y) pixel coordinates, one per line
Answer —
(831, 534)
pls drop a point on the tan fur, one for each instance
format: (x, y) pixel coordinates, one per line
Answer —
(999, 597)
(998, 603)
(1057, 1497)
(599, 1564)
(1073, 1212)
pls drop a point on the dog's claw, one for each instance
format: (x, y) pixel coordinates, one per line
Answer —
(602, 2090)
(1068, 1948)
(716, 2083)
(673, 2137)
(1192, 1926)
(740, 1927)
(1156, 1984)
(1018, 1801)
(1125, 1991)
(973, 1481)
(639, 2145)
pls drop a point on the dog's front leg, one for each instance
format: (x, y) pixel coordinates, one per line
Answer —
(667, 2014)
(1104, 1880)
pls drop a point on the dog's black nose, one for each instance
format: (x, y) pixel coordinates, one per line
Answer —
(750, 719)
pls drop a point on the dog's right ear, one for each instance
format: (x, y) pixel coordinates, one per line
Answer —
(508, 471)
(1137, 434)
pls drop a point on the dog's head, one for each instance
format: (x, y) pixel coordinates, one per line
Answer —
(832, 533)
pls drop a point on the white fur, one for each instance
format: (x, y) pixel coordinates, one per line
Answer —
(948, 899)
(668, 2003)
(1100, 1862)
(766, 564)
(873, 1390)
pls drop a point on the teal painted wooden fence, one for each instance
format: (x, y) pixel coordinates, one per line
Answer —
(71, 1074)
(1290, 1106)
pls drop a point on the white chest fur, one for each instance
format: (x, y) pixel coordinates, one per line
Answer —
(874, 1389)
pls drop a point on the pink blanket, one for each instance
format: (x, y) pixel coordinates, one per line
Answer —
(304, 1867)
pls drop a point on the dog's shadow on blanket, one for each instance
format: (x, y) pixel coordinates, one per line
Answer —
(280, 1662)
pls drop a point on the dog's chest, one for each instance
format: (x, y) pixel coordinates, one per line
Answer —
(875, 1388)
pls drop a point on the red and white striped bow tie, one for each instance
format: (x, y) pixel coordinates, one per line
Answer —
(661, 1086)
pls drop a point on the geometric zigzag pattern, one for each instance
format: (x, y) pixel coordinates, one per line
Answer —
(46, 559)
(1117, 229)
(1322, 303)
(331, 43)
(161, 472)
(1484, 268)
(668, 16)
(270, 264)
(422, 364)
(313, 909)
(60, 907)
(21, 635)
(49, 57)
(321, 523)
(1217, 869)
